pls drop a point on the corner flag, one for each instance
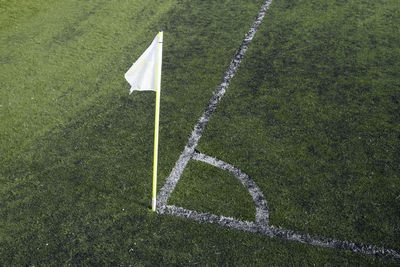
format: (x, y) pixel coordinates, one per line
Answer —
(145, 74)
(142, 75)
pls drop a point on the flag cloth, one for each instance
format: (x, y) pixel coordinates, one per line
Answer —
(141, 76)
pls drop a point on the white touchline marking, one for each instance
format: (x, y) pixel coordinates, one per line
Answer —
(261, 224)
(277, 232)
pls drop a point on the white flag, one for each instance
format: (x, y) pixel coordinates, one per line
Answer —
(142, 75)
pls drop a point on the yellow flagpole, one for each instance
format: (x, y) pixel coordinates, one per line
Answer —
(157, 117)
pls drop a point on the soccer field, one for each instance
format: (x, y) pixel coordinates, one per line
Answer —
(311, 116)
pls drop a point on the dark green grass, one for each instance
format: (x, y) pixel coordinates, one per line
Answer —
(313, 118)
(76, 149)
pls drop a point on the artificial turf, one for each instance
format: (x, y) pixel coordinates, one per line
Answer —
(76, 149)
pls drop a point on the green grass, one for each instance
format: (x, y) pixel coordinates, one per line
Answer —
(58, 62)
(76, 149)
(206, 188)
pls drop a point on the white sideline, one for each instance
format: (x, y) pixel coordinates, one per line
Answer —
(276, 232)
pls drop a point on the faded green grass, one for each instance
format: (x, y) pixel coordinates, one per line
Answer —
(313, 118)
(76, 160)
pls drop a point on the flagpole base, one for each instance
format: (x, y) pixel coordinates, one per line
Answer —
(153, 204)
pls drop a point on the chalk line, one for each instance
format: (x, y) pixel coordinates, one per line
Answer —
(275, 232)
(188, 151)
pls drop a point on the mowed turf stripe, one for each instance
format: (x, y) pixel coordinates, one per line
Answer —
(64, 57)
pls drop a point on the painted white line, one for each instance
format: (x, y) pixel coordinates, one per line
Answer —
(274, 232)
(262, 212)
(211, 218)
(188, 151)
(262, 216)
